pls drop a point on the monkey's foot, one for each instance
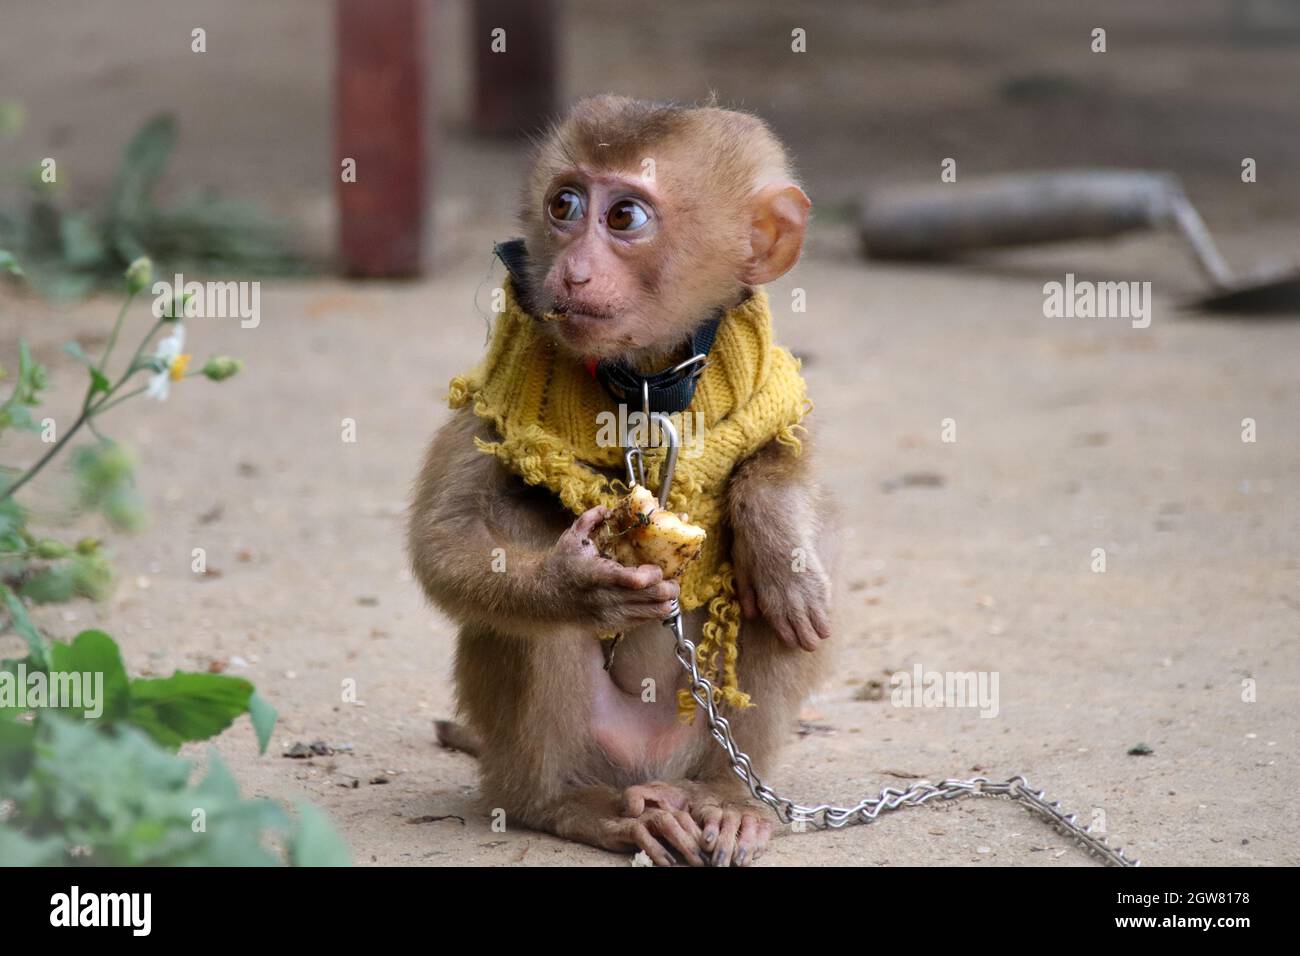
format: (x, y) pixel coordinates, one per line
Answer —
(659, 832)
(728, 833)
(735, 834)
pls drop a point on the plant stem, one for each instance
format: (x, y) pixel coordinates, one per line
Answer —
(105, 404)
(89, 410)
(131, 368)
(44, 459)
(117, 327)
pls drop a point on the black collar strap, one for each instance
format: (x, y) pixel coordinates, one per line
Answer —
(668, 391)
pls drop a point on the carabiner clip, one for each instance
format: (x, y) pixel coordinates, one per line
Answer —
(660, 424)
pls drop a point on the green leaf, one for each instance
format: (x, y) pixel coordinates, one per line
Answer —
(128, 802)
(185, 707)
(17, 748)
(82, 245)
(13, 669)
(234, 825)
(105, 482)
(94, 652)
(50, 585)
(19, 850)
(142, 165)
(98, 380)
(87, 576)
(315, 842)
(31, 377)
(113, 791)
(9, 264)
(77, 352)
(17, 416)
(264, 717)
(13, 519)
(26, 629)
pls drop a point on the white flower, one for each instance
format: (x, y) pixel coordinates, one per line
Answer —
(172, 362)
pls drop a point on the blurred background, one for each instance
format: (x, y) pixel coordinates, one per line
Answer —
(1121, 690)
(886, 89)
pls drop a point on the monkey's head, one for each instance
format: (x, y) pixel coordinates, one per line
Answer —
(641, 219)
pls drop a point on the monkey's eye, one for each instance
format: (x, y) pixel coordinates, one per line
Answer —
(566, 206)
(626, 216)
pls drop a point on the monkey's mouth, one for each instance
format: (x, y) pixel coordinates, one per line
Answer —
(580, 311)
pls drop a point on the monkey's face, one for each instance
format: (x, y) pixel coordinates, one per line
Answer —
(642, 221)
(624, 268)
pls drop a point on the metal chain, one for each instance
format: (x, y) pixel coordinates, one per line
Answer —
(825, 816)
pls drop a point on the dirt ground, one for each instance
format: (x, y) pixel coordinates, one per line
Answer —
(975, 555)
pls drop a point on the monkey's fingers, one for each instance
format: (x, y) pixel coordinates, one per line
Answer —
(821, 622)
(615, 575)
(589, 520)
(752, 840)
(677, 827)
(658, 794)
(803, 627)
(644, 840)
(778, 618)
(621, 608)
(661, 592)
(638, 612)
(728, 832)
(709, 818)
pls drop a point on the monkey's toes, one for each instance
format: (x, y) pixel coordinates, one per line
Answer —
(736, 835)
(660, 833)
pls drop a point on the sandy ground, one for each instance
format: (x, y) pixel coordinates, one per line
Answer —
(1071, 435)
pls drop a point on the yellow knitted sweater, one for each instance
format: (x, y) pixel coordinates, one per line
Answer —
(545, 406)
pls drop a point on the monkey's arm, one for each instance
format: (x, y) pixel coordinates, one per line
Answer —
(772, 503)
(473, 548)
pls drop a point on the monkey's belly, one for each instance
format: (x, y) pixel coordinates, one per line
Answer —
(634, 707)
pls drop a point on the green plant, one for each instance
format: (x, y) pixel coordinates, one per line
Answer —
(109, 789)
(88, 768)
(69, 252)
(45, 569)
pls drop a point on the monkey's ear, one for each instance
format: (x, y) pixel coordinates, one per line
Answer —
(779, 219)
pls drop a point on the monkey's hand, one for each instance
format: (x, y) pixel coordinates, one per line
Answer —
(598, 590)
(780, 577)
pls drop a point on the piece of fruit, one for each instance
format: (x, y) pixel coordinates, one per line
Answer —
(638, 531)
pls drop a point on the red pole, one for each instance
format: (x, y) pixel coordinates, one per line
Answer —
(381, 135)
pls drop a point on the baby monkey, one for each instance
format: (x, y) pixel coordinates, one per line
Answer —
(642, 223)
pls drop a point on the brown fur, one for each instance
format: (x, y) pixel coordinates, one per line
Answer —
(564, 744)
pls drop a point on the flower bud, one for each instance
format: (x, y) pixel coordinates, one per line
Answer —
(49, 548)
(138, 275)
(221, 367)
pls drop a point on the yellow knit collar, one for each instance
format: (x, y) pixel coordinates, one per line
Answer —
(548, 412)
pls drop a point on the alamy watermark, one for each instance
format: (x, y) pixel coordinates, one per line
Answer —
(1085, 299)
(922, 688)
(133, 911)
(211, 300)
(624, 429)
(64, 690)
